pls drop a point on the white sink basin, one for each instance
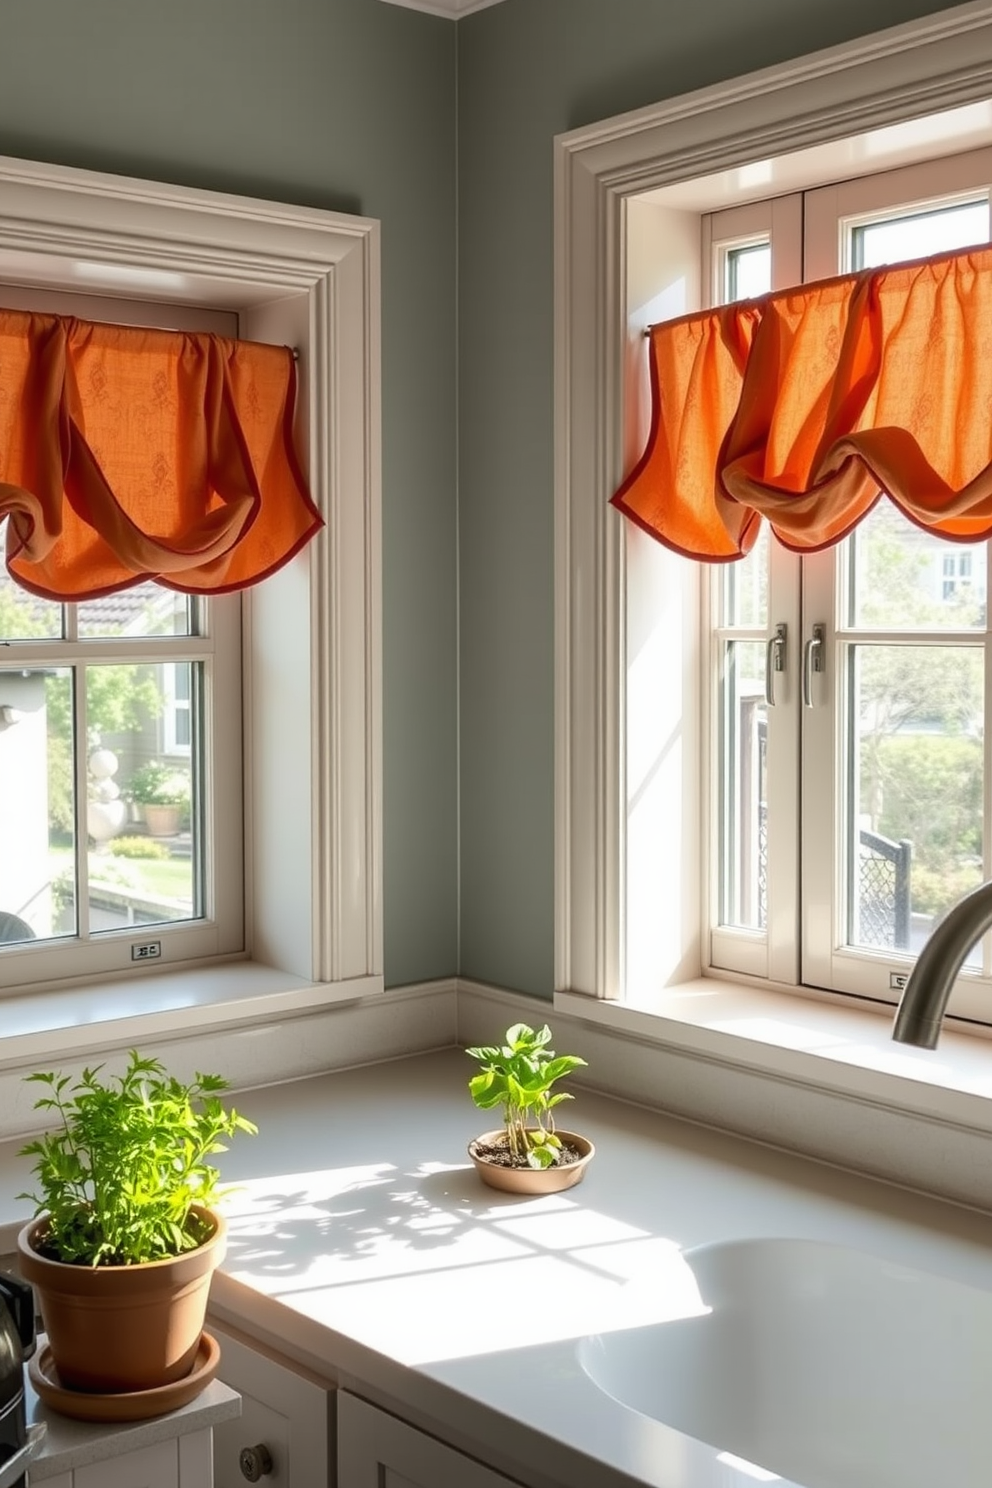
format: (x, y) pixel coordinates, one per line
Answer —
(817, 1363)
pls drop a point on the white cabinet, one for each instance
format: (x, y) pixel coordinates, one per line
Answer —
(285, 1419)
(181, 1462)
(376, 1450)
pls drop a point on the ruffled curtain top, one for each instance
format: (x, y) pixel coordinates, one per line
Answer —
(129, 454)
(802, 406)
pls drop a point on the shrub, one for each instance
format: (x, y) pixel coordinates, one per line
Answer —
(159, 784)
(138, 847)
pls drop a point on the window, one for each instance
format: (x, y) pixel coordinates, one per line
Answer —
(853, 678)
(635, 809)
(310, 809)
(106, 826)
(104, 832)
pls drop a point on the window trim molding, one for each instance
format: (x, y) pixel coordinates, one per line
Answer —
(938, 62)
(279, 265)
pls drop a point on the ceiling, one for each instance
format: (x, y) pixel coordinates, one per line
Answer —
(453, 8)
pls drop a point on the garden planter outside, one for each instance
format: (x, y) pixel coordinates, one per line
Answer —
(162, 821)
(123, 1328)
(528, 1180)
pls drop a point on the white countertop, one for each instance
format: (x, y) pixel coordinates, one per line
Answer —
(70, 1444)
(362, 1241)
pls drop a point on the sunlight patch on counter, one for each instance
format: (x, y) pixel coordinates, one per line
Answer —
(516, 1303)
(399, 1259)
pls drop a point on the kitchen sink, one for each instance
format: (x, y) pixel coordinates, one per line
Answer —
(814, 1362)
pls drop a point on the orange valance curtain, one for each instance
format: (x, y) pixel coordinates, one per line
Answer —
(129, 454)
(802, 406)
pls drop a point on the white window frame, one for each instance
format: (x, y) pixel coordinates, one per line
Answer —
(312, 632)
(810, 233)
(937, 63)
(173, 706)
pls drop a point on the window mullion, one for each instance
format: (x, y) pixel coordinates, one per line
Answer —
(754, 746)
(81, 752)
(821, 796)
(783, 876)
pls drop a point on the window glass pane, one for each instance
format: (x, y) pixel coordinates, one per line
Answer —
(145, 610)
(37, 796)
(743, 814)
(23, 617)
(142, 818)
(900, 577)
(749, 271)
(919, 234)
(915, 788)
(745, 586)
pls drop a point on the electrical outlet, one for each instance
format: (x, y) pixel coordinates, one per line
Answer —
(146, 950)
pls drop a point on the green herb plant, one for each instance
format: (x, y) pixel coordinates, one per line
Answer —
(518, 1076)
(119, 1175)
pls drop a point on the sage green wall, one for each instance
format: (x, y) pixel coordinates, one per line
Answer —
(346, 104)
(351, 104)
(528, 70)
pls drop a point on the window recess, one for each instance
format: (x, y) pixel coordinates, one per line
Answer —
(627, 205)
(290, 277)
(847, 706)
(845, 710)
(121, 801)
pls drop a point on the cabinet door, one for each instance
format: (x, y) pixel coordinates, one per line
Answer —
(376, 1450)
(284, 1410)
(182, 1462)
(156, 1466)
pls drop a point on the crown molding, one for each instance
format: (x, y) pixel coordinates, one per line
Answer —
(453, 8)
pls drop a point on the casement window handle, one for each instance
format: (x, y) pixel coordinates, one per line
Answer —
(813, 661)
(774, 662)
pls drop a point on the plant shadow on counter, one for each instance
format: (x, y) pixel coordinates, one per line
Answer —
(279, 1231)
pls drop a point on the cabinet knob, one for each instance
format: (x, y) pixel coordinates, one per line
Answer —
(255, 1462)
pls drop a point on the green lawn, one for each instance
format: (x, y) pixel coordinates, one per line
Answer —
(156, 878)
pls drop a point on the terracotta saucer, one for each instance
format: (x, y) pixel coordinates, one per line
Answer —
(135, 1405)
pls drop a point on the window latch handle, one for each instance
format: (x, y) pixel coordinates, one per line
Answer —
(774, 662)
(812, 662)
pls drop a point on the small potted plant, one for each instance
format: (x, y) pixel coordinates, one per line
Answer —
(528, 1155)
(162, 792)
(125, 1238)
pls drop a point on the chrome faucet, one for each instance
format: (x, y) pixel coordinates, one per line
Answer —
(921, 1009)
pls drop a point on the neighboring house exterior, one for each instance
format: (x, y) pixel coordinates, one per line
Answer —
(146, 610)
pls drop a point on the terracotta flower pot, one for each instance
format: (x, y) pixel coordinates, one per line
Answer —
(162, 821)
(123, 1328)
(532, 1180)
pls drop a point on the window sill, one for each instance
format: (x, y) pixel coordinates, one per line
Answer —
(77, 1021)
(846, 1050)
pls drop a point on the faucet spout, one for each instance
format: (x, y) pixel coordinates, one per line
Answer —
(924, 1000)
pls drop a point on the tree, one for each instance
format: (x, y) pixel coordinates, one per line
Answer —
(920, 712)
